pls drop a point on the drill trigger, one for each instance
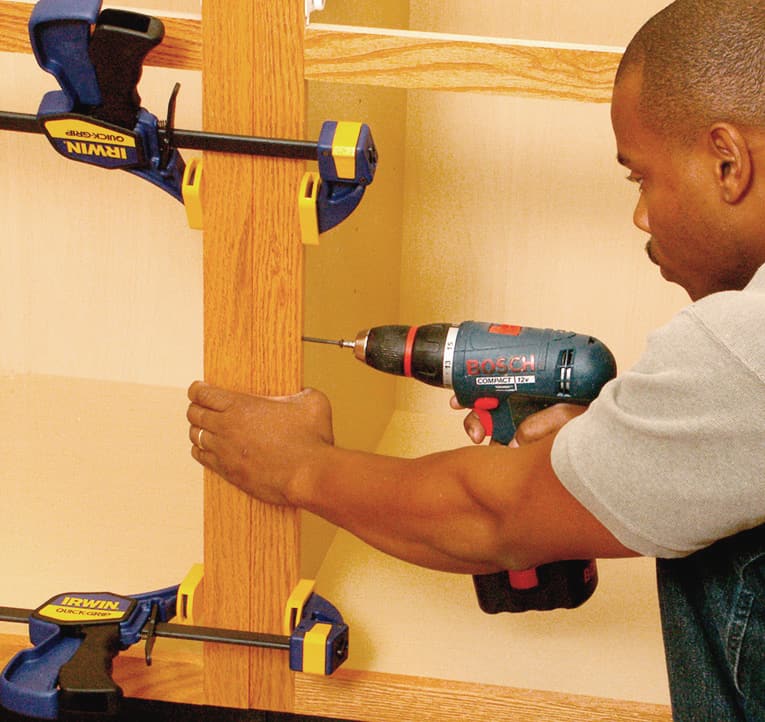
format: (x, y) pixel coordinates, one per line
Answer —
(482, 407)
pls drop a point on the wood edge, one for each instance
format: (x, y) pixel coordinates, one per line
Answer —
(383, 697)
(177, 673)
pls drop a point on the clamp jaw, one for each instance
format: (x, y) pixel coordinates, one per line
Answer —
(347, 162)
(77, 635)
(318, 635)
(97, 117)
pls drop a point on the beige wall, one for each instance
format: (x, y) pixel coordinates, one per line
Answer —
(514, 210)
(484, 207)
(101, 321)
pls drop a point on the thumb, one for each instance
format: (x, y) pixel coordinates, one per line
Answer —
(292, 397)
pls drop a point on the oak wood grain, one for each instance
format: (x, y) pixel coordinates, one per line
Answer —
(398, 698)
(176, 676)
(432, 61)
(396, 58)
(252, 85)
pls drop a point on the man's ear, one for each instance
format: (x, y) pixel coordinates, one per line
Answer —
(733, 161)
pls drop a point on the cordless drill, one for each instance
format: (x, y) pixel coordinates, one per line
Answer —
(505, 373)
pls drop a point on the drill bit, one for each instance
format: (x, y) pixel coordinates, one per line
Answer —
(332, 342)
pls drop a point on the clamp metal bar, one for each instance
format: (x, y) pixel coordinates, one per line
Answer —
(195, 139)
(226, 636)
(75, 637)
(181, 631)
(21, 122)
(248, 145)
(15, 614)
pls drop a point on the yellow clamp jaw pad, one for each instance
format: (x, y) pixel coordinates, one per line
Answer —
(307, 200)
(347, 144)
(318, 635)
(191, 189)
(189, 593)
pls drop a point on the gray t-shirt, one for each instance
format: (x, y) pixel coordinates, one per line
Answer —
(671, 456)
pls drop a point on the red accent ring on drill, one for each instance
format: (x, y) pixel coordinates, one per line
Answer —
(408, 350)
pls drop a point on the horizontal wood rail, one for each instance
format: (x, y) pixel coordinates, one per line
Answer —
(434, 61)
(181, 47)
(176, 676)
(398, 58)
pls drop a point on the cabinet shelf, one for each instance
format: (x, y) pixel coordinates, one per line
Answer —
(398, 58)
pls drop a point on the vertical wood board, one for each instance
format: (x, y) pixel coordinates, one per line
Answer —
(253, 85)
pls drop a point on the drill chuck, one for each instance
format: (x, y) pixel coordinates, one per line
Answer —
(420, 352)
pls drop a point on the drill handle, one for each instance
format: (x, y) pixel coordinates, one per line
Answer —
(557, 585)
(500, 418)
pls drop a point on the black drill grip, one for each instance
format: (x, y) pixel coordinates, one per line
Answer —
(560, 585)
(120, 42)
(85, 682)
(557, 585)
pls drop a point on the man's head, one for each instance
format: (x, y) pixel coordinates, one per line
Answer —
(689, 118)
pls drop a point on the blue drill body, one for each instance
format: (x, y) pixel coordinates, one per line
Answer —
(505, 372)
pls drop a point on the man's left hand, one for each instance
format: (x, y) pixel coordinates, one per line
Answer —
(259, 444)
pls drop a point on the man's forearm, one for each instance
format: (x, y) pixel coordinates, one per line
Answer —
(476, 509)
(420, 510)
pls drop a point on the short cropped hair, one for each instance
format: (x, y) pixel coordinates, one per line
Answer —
(703, 61)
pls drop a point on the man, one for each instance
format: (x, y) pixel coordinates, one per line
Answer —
(668, 461)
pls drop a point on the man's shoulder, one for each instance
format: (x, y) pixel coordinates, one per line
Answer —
(736, 320)
(752, 297)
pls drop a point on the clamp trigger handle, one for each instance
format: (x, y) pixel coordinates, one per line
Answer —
(120, 42)
(85, 682)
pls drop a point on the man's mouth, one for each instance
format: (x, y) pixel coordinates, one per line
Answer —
(649, 251)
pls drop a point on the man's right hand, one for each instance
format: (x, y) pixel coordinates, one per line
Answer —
(534, 427)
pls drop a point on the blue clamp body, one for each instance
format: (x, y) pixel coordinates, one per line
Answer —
(75, 638)
(96, 117)
(77, 635)
(347, 162)
(319, 642)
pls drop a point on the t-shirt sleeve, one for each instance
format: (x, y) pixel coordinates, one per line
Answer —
(670, 456)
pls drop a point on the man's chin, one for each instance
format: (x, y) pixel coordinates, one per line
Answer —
(666, 274)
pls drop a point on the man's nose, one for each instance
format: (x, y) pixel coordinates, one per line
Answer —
(640, 216)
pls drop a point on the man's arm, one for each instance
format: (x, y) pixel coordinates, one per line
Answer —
(471, 510)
